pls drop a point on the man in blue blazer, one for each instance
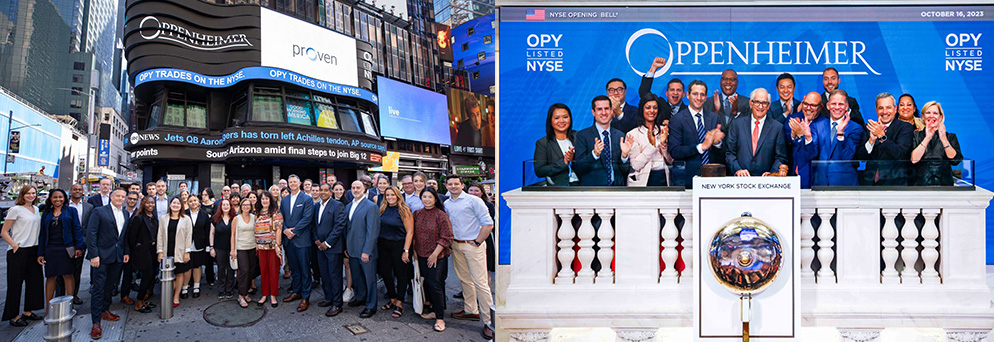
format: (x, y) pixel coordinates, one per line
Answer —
(102, 198)
(329, 237)
(107, 252)
(794, 127)
(360, 242)
(297, 209)
(755, 142)
(624, 115)
(787, 104)
(695, 135)
(601, 152)
(833, 141)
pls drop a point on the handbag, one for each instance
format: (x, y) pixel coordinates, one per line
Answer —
(417, 286)
(234, 263)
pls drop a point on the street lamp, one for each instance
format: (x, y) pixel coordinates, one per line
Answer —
(10, 119)
(89, 130)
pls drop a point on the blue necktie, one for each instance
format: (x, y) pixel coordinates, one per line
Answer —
(835, 132)
(606, 158)
(700, 138)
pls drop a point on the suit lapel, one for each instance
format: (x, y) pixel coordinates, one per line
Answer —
(768, 126)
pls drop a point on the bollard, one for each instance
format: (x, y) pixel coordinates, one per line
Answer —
(166, 278)
(493, 321)
(59, 319)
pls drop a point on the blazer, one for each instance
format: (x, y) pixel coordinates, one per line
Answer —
(776, 110)
(726, 114)
(628, 121)
(682, 142)
(771, 149)
(201, 229)
(331, 227)
(887, 163)
(371, 194)
(96, 201)
(302, 220)
(184, 237)
(549, 162)
(854, 115)
(665, 108)
(141, 241)
(826, 147)
(102, 238)
(363, 229)
(935, 168)
(72, 231)
(646, 157)
(591, 171)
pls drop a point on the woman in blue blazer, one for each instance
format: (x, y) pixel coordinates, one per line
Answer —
(60, 240)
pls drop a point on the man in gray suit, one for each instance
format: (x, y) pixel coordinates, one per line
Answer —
(363, 231)
(83, 209)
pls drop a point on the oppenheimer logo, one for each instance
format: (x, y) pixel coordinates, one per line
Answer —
(811, 57)
(313, 54)
(175, 33)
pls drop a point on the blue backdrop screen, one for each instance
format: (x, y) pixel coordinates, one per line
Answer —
(404, 107)
(567, 55)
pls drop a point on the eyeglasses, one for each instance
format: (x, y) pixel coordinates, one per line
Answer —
(615, 90)
(810, 104)
(760, 103)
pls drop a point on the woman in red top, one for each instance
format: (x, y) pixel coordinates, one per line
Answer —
(267, 238)
(432, 244)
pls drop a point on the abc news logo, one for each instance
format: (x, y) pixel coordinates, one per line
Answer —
(963, 52)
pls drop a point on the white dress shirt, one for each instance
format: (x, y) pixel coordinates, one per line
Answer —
(119, 218)
(293, 199)
(79, 209)
(355, 204)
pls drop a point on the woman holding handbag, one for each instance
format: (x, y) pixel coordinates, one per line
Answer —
(60, 241)
(433, 244)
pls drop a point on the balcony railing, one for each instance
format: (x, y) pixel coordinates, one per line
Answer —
(620, 259)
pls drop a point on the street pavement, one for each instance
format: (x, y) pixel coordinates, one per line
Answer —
(282, 324)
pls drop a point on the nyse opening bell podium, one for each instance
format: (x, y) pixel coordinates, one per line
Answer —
(732, 172)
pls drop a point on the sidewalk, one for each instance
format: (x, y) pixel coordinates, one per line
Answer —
(283, 324)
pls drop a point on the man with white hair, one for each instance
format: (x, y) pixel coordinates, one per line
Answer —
(756, 143)
(246, 189)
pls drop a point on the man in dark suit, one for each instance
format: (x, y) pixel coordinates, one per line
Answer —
(695, 134)
(372, 193)
(624, 114)
(887, 146)
(787, 104)
(83, 209)
(830, 80)
(810, 114)
(107, 251)
(601, 152)
(673, 94)
(103, 197)
(726, 102)
(834, 143)
(755, 143)
(329, 237)
(360, 241)
(297, 209)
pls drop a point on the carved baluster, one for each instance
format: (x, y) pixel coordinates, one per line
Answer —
(565, 236)
(910, 253)
(930, 254)
(669, 254)
(889, 254)
(825, 252)
(586, 253)
(807, 246)
(606, 253)
(688, 245)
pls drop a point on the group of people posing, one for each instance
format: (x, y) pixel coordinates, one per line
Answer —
(316, 230)
(820, 137)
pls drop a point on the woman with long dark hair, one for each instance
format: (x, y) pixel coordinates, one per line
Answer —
(433, 244)
(60, 241)
(200, 254)
(907, 111)
(20, 231)
(396, 233)
(649, 157)
(476, 189)
(141, 236)
(268, 228)
(220, 240)
(554, 151)
(175, 239)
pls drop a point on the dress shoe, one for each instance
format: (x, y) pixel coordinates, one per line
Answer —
(96, 332)
(333, 311)
(487, 333)
(356, 303)
(184, 295)
(324, 303)
(110, 317)
(291, 297)
(196, 292)
(77, 301)
(304, 304)
(465, 316)
(128, 301)
(367, 313)
(20, 322)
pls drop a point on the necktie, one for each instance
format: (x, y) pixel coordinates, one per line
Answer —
(726, 106)
(835, 133)
(755, 137)
(606, 158)
(700, 138)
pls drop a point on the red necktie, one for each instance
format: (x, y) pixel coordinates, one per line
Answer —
(755, 137)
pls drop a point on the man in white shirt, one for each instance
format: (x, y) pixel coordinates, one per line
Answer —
(102, 198)
(161, 200)
(107, 253)
(471, 223)
(83, 210)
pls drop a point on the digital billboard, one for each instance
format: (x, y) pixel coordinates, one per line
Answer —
(308, 49)
(412, 113)
(567, 55)
(471, 123)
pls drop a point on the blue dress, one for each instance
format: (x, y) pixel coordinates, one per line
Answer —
(57, 260)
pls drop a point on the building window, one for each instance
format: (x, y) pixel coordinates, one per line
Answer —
(476, 75)
(267, 108)
(349, 120)
(470, 31)
(481, 56)
(106, 116)
(465, 46)
(78, 66)
(78, 91)
(77, 78)
(76, 103)
(460, 64)
(488, 39)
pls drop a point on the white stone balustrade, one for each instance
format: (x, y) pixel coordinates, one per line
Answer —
(938, 283)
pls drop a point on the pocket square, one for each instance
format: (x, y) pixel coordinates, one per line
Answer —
(300, 205)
